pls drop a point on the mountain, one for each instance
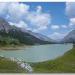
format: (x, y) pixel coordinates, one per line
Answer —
(39, 36)
(70, 38)
(13, 33)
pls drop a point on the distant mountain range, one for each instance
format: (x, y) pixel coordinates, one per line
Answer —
(20, 35)
(69, 38)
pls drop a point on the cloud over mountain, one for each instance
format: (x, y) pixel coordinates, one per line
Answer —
(17, 13)
(70, 9)
(70, 12)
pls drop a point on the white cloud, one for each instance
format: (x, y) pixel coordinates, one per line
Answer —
(70, 9)
(3, 10)
(39, 29)
(72, 22)
(54, 26)
(40, 21)
(64, 26)
(57, 35)
(21, 24)
(58, 26)
(39, 9)
(18, 13)
(13, 11)
(70, 12)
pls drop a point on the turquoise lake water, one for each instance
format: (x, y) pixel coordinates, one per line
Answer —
(38, 53)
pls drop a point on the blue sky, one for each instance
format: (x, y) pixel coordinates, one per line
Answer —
(57, 12)
(53, 19)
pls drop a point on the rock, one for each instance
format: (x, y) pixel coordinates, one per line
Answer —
(26, 66)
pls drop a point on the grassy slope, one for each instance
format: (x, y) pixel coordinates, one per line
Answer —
(7, 66)
(64, 64)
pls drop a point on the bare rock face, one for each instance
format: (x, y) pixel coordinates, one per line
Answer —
(4, 25)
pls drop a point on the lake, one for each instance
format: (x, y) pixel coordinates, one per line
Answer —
(38, 53)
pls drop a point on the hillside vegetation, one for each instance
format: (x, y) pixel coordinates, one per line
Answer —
(8, 66)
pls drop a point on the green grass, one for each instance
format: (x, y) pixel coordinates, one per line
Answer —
(7, 66)
(63, 64)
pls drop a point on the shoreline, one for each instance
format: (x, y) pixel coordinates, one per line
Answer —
(16, 47)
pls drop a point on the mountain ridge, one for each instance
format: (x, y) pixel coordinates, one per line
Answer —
(69, 38)
(23, 36)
